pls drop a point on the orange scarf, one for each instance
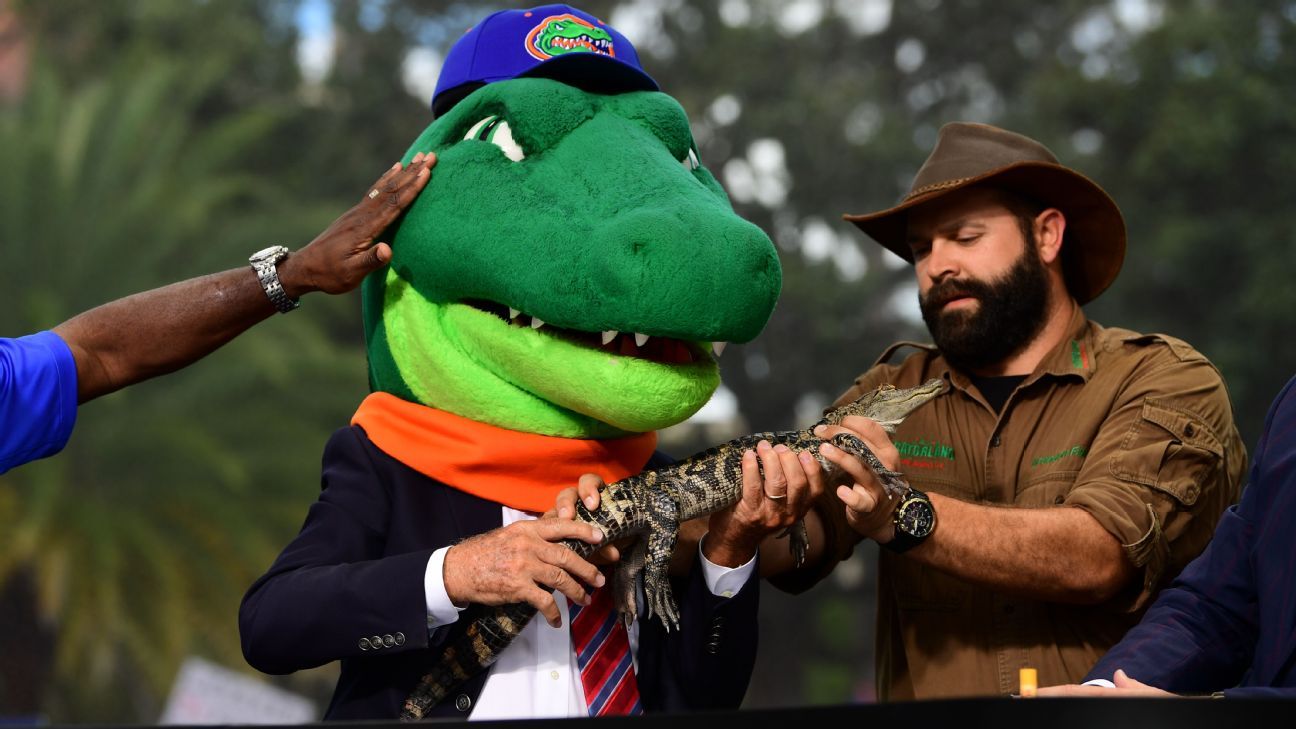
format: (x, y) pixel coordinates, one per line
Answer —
(520, 470)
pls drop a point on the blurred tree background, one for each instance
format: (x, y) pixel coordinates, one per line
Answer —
(145, 141)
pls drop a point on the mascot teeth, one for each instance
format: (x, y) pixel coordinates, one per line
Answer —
(717, 348)
(609, 335)
(513, 313)
(640, 339)
(536, 323)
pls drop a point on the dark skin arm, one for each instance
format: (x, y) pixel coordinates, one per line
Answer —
(1059, 554)
(159, 331)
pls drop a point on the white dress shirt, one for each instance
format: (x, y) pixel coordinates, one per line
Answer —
(537, 676)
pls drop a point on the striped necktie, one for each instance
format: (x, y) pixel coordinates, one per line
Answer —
(603, 655)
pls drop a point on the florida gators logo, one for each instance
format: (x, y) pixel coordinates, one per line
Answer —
(559, 35)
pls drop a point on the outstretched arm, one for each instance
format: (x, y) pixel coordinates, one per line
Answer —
(162, 330)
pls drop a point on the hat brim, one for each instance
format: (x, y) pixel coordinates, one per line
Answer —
(592, 72)
(1094, 246)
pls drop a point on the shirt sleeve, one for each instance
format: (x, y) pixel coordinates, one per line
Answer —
(1166, 463)
(440, 608)
(724, 581)
(38, 397)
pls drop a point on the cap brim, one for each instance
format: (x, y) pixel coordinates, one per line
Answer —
(593, 72)
(1094, 247)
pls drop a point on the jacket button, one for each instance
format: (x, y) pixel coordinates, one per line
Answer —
(388, 641)
(463, 702)
(713, 647)
(1189, 430)
(400, 639)
(365, 644)
(376, 641)
(994, 442)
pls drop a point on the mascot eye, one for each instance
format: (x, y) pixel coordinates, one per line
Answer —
(495, 130)
(690, 161)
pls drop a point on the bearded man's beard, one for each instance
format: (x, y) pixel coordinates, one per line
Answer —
(1011, 313)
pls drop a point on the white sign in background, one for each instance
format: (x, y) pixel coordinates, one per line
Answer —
(208, 693)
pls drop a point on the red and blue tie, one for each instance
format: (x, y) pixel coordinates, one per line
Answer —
(603, 654)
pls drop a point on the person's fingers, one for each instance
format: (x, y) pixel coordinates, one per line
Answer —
(753, 492)
(794, 474)
(856, 469)
(610, 554)
(565, 504)
(857, 498)
(556, 530)
(559, 579)
(570, 563)
(775, 481)
(814, 474)
(544, 602)
(588, 487)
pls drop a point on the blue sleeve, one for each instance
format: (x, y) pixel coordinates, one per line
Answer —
(1201, 634)
(38, 397)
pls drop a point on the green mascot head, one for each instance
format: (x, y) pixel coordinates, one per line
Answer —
(570, 264)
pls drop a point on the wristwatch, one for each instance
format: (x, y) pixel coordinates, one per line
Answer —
(264, 262)
(914, 521)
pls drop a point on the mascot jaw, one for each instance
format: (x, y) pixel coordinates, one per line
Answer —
(474, 363)
(663, 350)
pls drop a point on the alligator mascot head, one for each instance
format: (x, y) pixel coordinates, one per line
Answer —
(570, 265)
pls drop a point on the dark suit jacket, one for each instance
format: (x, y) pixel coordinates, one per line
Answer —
(1229, 621)
(353, 577)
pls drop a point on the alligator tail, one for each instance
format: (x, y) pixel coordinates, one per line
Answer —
(474, 651)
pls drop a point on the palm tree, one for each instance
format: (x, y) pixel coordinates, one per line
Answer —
(132, 548)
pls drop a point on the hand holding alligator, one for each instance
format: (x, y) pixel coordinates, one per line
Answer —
(868, 506)
(791, 483)
(771, 503)
(510, 564)
(340, 257)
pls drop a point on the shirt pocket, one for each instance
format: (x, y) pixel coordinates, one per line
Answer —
(1169, 450)
(1046, 489)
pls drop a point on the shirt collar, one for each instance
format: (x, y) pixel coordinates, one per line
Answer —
(1073, 357)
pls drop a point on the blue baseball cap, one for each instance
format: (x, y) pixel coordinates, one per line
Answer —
(549, 41)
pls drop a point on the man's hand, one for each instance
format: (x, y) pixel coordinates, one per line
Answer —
(340, 257)
(869, 508)
(772, 503)
(510, 565)
(587, 490)
(1126, 687)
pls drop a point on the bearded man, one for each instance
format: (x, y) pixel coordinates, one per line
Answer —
(1067, 472)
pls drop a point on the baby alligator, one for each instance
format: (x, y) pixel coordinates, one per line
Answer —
(651, 506)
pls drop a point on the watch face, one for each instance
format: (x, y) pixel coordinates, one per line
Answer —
(915, 517)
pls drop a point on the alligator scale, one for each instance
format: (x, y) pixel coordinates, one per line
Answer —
(650, 507)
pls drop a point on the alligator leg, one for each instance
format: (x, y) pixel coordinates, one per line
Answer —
(893, 482)
(626, 579)
(663, 513)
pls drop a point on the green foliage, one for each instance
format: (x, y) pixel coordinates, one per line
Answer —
(173, 495)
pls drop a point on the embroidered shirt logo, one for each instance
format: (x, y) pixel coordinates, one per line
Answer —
(1079, 357)
(923, 453)
(1075, 450)
(559, 35)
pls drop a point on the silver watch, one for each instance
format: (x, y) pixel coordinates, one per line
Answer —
(264, 262)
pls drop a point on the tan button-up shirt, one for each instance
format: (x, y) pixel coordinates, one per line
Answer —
(1135, 429)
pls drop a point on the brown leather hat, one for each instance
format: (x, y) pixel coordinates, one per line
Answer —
(969, 154)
